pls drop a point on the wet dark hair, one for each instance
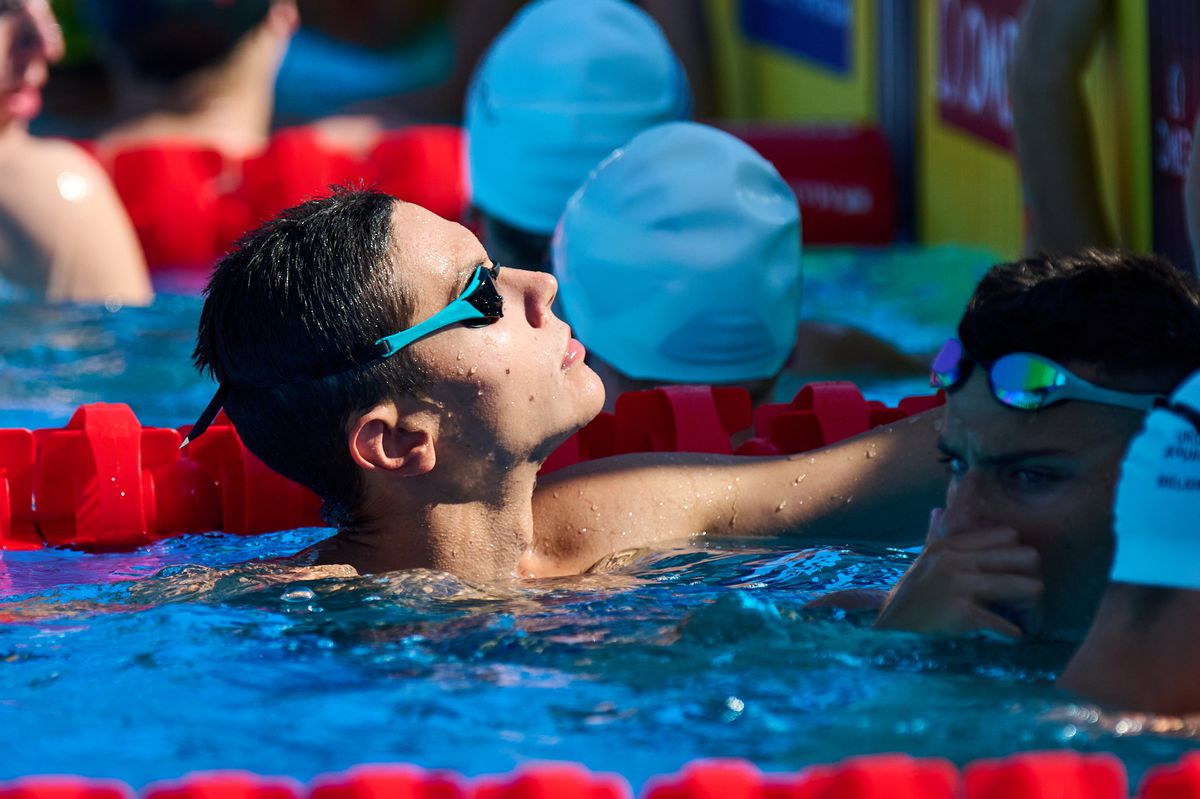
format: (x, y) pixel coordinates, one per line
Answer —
(286, 317)
(167, 40)
(1136, 318)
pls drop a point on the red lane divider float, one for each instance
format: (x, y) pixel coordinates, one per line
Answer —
(104, 482)
(713, 418)
(226, 785)
(1037, 775)
(390, 782)
(1048, 775)
(189, 204)
(1178, 781)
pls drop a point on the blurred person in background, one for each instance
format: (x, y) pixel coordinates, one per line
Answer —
(679, 262)
(63, 233)
(566, 83)
(1142, 652)
(358, 67)
(1054, 135)
(194, 71)
(1052, 128)
(374, 64)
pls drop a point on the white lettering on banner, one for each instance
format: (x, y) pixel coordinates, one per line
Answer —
(822, 196)
(977, 43)
(836, 13)
(1173, 136)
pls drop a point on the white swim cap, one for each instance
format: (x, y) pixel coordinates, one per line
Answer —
(1158, 499)
(679, 259)
(566, 83)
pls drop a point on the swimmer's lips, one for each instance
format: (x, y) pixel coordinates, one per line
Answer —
(24, 102)
(575, 354)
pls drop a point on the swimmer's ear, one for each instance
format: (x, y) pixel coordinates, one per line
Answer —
(382, 440)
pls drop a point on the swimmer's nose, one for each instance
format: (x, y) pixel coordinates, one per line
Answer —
(539, 296)
(32, 48)
(968, 504)
(51, 43)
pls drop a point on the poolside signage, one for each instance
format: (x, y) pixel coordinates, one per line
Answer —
(817, 31)
(975, 44)
(1174, 27)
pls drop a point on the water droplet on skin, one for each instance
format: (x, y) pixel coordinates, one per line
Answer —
(594, 507)
(475, 369)
(298, 595)
(870, 454)
(554, 494)
(479, 393)
(459, 358)
(798, 480)
(781, 506)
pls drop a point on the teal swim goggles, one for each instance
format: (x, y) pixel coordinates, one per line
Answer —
(480, 304)
(1028, 382)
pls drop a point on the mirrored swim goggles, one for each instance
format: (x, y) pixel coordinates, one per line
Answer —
(479, 305)
(1028, 382)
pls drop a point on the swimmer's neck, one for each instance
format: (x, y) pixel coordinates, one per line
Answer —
(227, 107)
(424, 525)
(1131, 663)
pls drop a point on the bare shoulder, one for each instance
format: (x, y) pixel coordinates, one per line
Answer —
(39, 158)
(45, 180)
(68, 232)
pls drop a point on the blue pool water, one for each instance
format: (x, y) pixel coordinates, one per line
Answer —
(200, 652)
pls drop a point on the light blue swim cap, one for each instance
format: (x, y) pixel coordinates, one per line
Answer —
(566, 83)
(1158, 500)
(679, 259)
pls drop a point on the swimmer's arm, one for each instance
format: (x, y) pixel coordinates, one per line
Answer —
(97, 257)
(875, 487)
(1053, 132)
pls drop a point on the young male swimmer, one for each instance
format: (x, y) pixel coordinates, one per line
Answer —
(1056, 363)
(679, 261)
(1142, 649)
(371, 351)
(565, 84)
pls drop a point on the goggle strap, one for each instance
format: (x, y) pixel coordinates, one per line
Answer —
(1107, 396)
(207, 415)
(458, 311)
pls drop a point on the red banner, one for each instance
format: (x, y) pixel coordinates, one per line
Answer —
(975, 46)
